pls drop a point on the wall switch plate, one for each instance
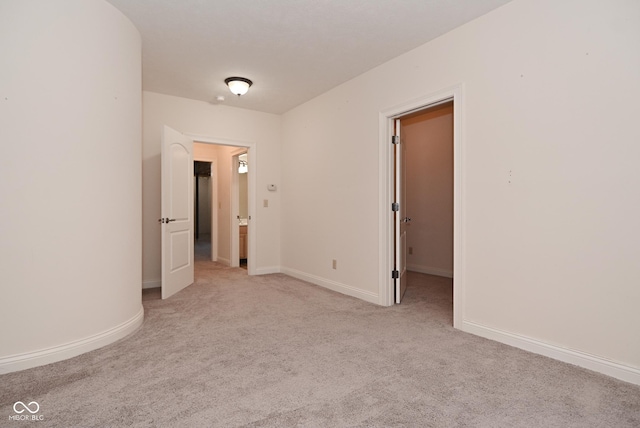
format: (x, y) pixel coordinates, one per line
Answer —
(265, 203)
(410, 250)
(335, 264)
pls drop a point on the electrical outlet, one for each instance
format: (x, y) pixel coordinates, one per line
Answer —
(410, 250)
(335, 264)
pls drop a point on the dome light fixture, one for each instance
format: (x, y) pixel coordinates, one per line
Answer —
(238, 85)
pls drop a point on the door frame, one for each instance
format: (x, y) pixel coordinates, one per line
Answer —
(234, 245)
(386, 191)
(252, 159)
(400, 226)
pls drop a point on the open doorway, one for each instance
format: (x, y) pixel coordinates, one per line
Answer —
(178, 153)
(202, 201)
(427, 136)
(230, 187)
(243, 209)
(393, 257)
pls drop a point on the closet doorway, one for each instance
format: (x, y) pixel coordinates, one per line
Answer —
(446, 261)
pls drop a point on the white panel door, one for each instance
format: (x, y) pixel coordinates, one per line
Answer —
(177, 212)
(400, 218)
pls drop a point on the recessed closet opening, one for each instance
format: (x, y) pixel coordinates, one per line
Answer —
(421, 206)
(428, 170)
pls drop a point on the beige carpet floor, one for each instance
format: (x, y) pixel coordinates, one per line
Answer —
(271, 351)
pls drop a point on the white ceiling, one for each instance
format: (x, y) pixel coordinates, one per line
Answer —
(293, 50)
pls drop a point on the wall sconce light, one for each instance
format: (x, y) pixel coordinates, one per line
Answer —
(238, 85)
(242, 167)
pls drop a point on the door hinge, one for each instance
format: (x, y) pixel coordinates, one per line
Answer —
(395, 274)
(395, 139)
(395, 207)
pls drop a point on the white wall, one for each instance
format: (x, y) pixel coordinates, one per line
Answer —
(550, 146)
(223, 123)
(429, 186)
(70, 179)
(225, 218)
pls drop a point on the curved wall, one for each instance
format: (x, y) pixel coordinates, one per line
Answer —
(70, 179)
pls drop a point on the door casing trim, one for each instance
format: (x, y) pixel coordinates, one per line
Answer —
(386, 182)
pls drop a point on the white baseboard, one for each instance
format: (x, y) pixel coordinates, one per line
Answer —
(154, 283)
(581, 359)
(224, 261)
(430, 270)
(62, 352)
(268, 270)
(333, 285)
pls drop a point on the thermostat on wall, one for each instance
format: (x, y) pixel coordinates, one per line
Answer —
(272, 187)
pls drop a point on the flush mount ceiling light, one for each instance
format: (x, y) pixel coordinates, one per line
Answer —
(238, 85)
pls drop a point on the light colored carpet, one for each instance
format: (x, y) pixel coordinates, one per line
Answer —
(272, 351)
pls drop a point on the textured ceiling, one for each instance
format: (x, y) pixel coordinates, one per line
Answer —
(293, 50)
